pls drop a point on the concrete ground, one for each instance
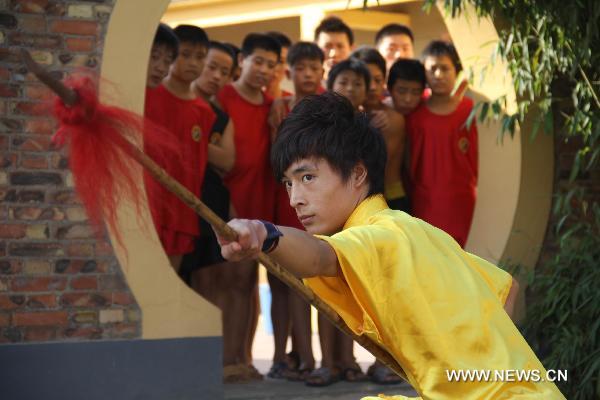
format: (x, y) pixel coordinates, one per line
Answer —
(271, 389)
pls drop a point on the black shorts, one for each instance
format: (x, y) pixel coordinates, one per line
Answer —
(206, 249)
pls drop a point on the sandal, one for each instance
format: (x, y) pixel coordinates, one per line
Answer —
(300, 374)
(292, 359)
(252, 373)
(382, 375)
(235, 373)
(322, 377)
(353, 373)
(278, 370)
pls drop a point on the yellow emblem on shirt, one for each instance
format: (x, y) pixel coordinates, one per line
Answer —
(196, 133)
(463, 145)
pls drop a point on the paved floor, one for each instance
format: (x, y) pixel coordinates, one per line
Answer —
(271, 389)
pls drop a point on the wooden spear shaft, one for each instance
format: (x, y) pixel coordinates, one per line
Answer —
(69, 97)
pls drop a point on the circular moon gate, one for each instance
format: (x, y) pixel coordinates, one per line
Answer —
(514, 191)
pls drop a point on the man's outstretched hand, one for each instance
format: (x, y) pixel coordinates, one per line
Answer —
(251, 235)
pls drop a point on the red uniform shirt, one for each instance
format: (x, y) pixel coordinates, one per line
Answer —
(190, 122)
(251, 182)
(443, 168)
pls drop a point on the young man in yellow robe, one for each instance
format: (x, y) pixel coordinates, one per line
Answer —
(404, 283)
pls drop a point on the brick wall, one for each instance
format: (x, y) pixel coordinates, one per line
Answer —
(57, 280)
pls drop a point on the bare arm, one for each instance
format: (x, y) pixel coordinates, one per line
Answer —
(298, 251)
(222, 154)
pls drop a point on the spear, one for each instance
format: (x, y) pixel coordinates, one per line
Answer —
(72, 98)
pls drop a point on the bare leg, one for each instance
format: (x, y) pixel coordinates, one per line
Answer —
(175, 261)
(203, 281)
(301, 330)
(239, 281)
(327, 338)
(280, 316)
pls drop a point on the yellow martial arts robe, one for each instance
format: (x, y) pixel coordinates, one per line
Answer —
(434, 307)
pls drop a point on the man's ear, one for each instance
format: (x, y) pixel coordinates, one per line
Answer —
(240, 58)
(359, 175)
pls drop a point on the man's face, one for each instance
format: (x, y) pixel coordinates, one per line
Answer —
(188, 65)
(322, 200)
(406, 95)
(216, 72)
(258, 68)
(336, 47)
(281, 68)
(441, 74)
(352, 86)
(161, 58)
(393, 47)
(377, 86)
(306, 75)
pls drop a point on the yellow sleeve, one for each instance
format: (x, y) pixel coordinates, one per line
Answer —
(359, 251)
(496, 278)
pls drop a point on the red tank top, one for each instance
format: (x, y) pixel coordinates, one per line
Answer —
(251, 182)
(444, 168)
(190, 122)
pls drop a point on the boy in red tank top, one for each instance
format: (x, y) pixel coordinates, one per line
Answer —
(443, 149)
(174, 106)
(250, 182)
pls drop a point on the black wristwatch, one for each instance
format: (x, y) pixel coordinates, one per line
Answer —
(272, 239)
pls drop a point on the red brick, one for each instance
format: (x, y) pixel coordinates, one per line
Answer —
(4, 319)
(40, 126)
(32, 23)
(4, 73)
(40, 334)
(8, 160)
(27, 213)
(65, 197)
(76, 231)
(32, 40)
(40, 143)
(104, 248)
(41, 301)
(10, 267)
(47, 318)
(12, 231)
(37, 92)
(31, 108)
(48, 7)
(84, 333)
(123, 298)
(7, 303)
(8, 90)
(66, 266)
(79, 250)
(80, 44)
(84, 282)
(87, 300)
(32, 249)
(34, 162)
(75, 27)
(42, 284)
(124, 331)
(30, 6)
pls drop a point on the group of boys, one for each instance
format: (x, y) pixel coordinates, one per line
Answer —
(224, 128)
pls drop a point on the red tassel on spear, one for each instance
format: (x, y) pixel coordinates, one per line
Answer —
(104, 141)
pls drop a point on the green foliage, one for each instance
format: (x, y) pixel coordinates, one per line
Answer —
(552, 49)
